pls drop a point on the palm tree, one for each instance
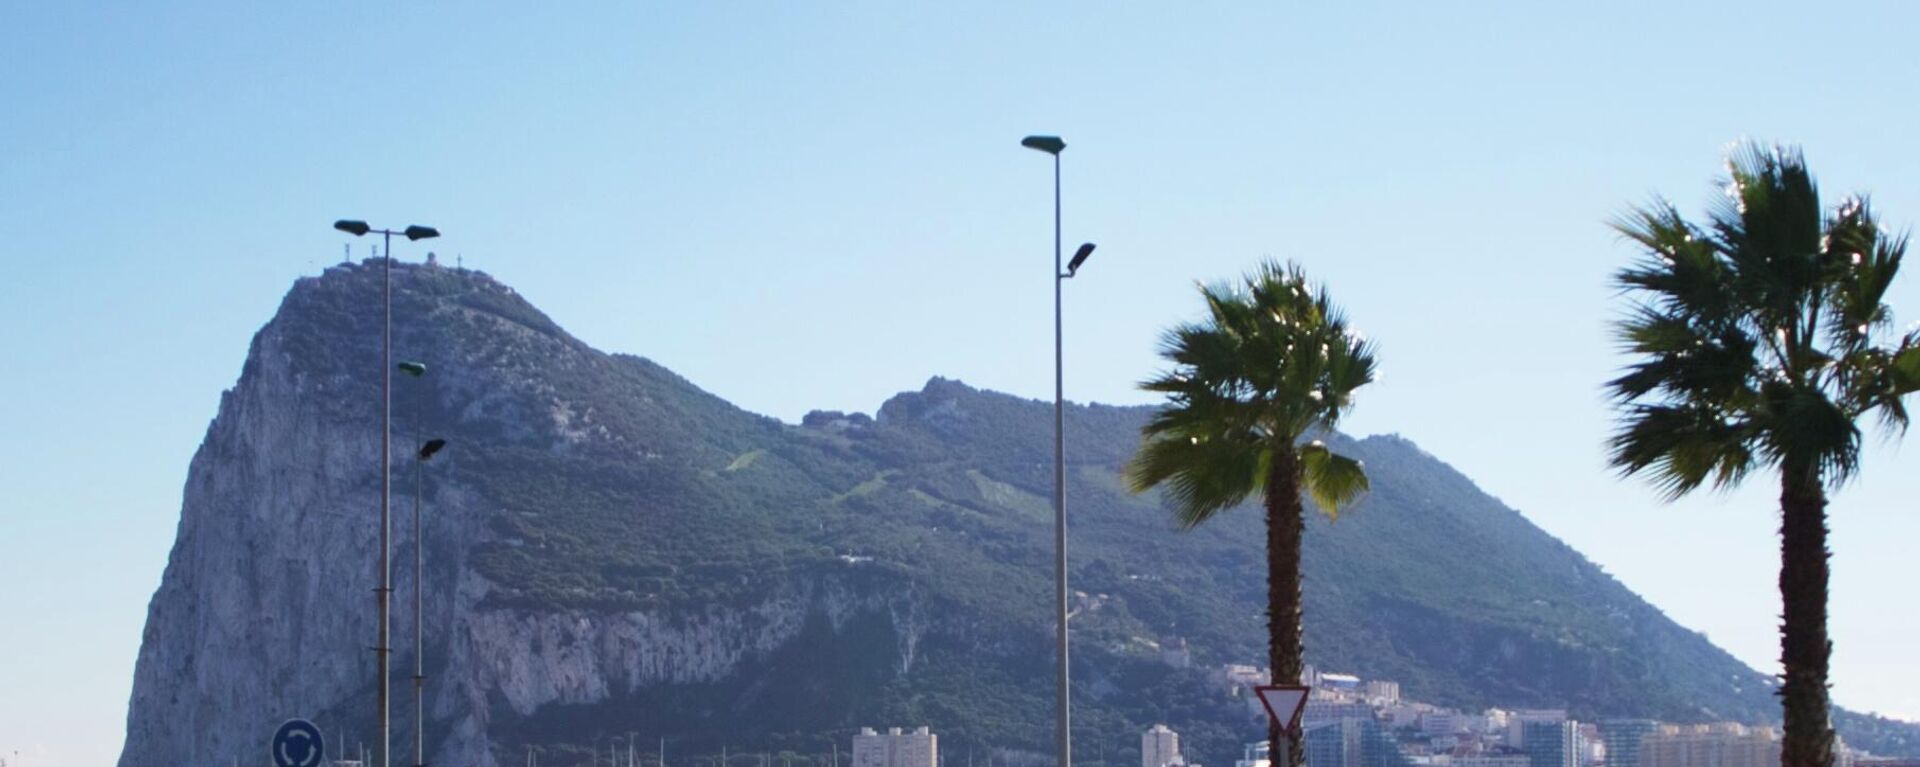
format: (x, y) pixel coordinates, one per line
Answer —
(1273, 360)
(1761, 342)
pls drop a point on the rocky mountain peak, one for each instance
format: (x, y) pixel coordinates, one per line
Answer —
(611, 549)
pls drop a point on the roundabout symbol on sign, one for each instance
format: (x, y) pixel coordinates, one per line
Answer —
(298, 744)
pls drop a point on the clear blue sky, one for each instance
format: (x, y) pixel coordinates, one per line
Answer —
(807, 206)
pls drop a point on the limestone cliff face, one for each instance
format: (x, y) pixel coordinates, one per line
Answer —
(530, 659)
(261, 614)
(266, 608)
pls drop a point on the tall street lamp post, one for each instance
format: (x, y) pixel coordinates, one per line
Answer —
(384, 592)
(427, 449)
(425, 453)
(1063, 736)
(418, 370)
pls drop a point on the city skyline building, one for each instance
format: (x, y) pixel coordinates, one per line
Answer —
(1319, 710)
(1160, 747)
(1517, 720)
(1722, 744)
(1623, 737)
(1552, 744)
(1335, 743)
(896, 748)
(1381, 692)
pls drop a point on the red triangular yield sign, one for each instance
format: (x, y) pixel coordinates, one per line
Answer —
(1284, 703)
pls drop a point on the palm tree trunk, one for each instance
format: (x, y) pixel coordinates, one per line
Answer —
(1285, 527)
(1804, 646)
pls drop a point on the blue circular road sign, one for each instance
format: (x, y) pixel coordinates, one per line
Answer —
(298, 744)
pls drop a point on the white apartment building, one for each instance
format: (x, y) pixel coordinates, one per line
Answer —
(1344, 684)
(920, 748)
(1382, 693)
(1160, 747)
(1406, 713)
(1324, 710)
(1240, 675)
(1176, 654)
(1442, 722)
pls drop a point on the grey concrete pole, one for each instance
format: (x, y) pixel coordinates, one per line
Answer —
(419, 586)
(383, 650)
(1064, 736)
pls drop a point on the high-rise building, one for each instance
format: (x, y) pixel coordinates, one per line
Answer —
(1379, 748)
(1517, 722)
(1593, 750)
(920, 748)
(1160, 747)
(1622, 738)
(1352, 742)
(1335, 743)
(1551, 744)
(1724, 744)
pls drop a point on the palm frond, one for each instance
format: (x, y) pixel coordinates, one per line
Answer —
(1680, 271)
(1900, 378)
(1772, 243)
(1861, 264)
(1202, 476)
(1905, 365)
(1682, 447)
(1332, 480)
(1682, 359)
(1879, 380)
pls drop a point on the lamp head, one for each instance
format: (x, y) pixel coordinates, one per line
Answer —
(432, 446)
(1049, 144)
(355, 228)
(418, 232)
(415, 369)
(1079, 257)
